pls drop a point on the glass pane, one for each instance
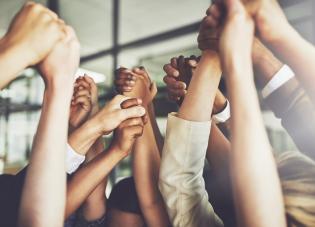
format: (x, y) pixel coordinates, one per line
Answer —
(139, 19)
(92, 21)
(104, 66)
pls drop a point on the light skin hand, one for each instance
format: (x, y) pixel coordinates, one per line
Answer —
(86, 179)
(104, 122)
(31, 36)
(53, 68)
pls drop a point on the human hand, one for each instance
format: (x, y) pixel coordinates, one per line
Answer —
(270, 19)
(135, 83)
(127, 133)
(237, 35)
(81, 104)
(112, 115)
(178, 75)
(88, 83)
(59, 67)
(33, 33)
(210, 28)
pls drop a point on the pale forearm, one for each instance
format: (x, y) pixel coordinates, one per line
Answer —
(46, 171)
(298, 54)
(89, 177)
(251, 158)
(198, 102)
(266, 65)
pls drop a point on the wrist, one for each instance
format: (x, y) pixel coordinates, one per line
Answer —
(117, 152)
(15, 54)
(82, 138)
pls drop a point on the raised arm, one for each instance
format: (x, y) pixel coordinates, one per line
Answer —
(185, 147)
(285, 41)
(46, 171)
(32, 34)
(283, 93)
(86, 179)
(146, 155)
(261, 202)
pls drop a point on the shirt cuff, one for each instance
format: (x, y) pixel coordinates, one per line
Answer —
(73, 160)
(280, 78)
(224, 115)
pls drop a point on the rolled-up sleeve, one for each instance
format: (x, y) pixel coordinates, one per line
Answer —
(181, 182)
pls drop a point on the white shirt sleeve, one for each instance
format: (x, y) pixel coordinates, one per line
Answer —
(180, 181)
(224, 115)
(281, 77)
(73, 159)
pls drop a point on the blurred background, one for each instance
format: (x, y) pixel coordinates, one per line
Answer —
(117, 33)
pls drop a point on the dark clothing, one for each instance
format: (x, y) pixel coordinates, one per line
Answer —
(10, 195)
(124, 197)
(291, 104)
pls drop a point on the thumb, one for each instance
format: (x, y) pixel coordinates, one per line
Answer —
(234, 6)
(153, 89)
(132, 112)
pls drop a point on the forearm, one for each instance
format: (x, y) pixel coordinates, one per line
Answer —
(46, 171)
(157, 133)
(266, 65)
(84, 137)
(94, 206)
(251, 153)
(297, 56)
(11, 63)
(198, 102)
(89, 177)
(146, 166)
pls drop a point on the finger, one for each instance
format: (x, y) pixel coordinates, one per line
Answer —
(82, 83)
(89, 80)
(174, 63)
(136, 131)
(125, 82)
(192, 63)
(173, 97)
(181, 62)
(145, 119)
(172, 83)
(177, 92)
(141, 71)
(170, 70)
(122, 89)
(132, 122)
(84, 101)
(130, 103)
(132, 112)
(122, 71)
(82, 93)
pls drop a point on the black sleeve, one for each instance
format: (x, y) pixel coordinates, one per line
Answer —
(10, 195)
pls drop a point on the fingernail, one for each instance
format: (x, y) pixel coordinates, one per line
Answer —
(141, 111)
(176, 73)
(139, 101)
